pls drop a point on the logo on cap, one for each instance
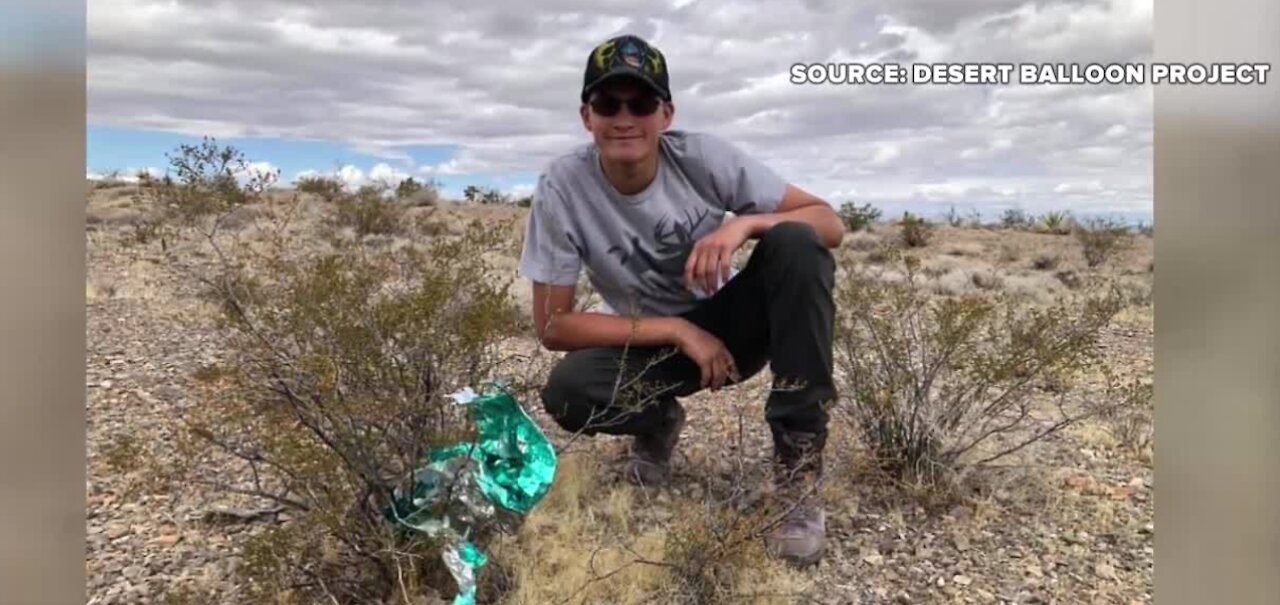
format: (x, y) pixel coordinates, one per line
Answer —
(629, 53)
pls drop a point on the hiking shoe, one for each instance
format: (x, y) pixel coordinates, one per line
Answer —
(650, 460)
(801, 536)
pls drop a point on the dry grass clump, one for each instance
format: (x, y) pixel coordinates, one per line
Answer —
(593, 542)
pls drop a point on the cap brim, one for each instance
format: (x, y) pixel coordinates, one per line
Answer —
(624, 71)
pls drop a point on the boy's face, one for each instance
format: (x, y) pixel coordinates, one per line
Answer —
(621, 135)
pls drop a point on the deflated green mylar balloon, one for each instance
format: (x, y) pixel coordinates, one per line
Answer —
(509, 467)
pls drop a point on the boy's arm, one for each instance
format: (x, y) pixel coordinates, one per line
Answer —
(799, 205)
(560, 328)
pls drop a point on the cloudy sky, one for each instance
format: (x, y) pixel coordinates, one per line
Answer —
(470, 92)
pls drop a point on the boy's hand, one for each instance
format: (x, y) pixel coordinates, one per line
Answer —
(709, 353)
(710, 260)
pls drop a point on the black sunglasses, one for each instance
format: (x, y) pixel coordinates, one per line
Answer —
(639, 106)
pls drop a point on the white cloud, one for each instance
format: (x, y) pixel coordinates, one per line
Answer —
(256, 169)
(520, 190)
(503, 87)
(351, 176)
(1091, 187)
(384, 173)
(128, 175)
(885, 153)
(308, 174)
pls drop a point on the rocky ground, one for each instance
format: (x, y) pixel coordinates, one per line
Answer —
(1069, 520)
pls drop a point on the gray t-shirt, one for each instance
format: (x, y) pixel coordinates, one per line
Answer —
(634, 247)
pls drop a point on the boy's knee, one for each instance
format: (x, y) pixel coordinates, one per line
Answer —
(793, 237)
(564, 396)
(794, 248)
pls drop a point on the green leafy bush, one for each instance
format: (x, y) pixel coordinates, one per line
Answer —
(856, 217)
(1057, 223)
(916, 231)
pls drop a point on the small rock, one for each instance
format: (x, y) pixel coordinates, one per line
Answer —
(1149, 528)
(873, 560)
(1137, 482)
(962, 542)
(116, 531)
(132, 571)
(1105, 571)
(165, 540)
(1081, 482)
(962, 580)
(903, 597)
(941, 582)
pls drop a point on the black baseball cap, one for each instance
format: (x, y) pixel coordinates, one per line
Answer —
(630, 56)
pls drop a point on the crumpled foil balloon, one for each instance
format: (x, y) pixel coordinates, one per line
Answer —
(465, 486)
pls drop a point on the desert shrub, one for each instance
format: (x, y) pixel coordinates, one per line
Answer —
(1015, 218)
(148, 229)
(883, 252)
(1010, 253)
(709, 554)
(856, 217)
(525, 201)
(953, 218)
(986, 280)
(493, 196)
(420, 194)
(486, 195)
(333, 388)
(370, 212)
(328, 188)
(111, 180)
(1133, 425)
(974, 219)
(408, 188)
(863, 242)
(1070, 279)
(202, 180)
(1101, 239)
(472, 193)
(1045, 262)
(205, 180)
(935, 386)
(916, 231)
(123, 453)
(1057, 223)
